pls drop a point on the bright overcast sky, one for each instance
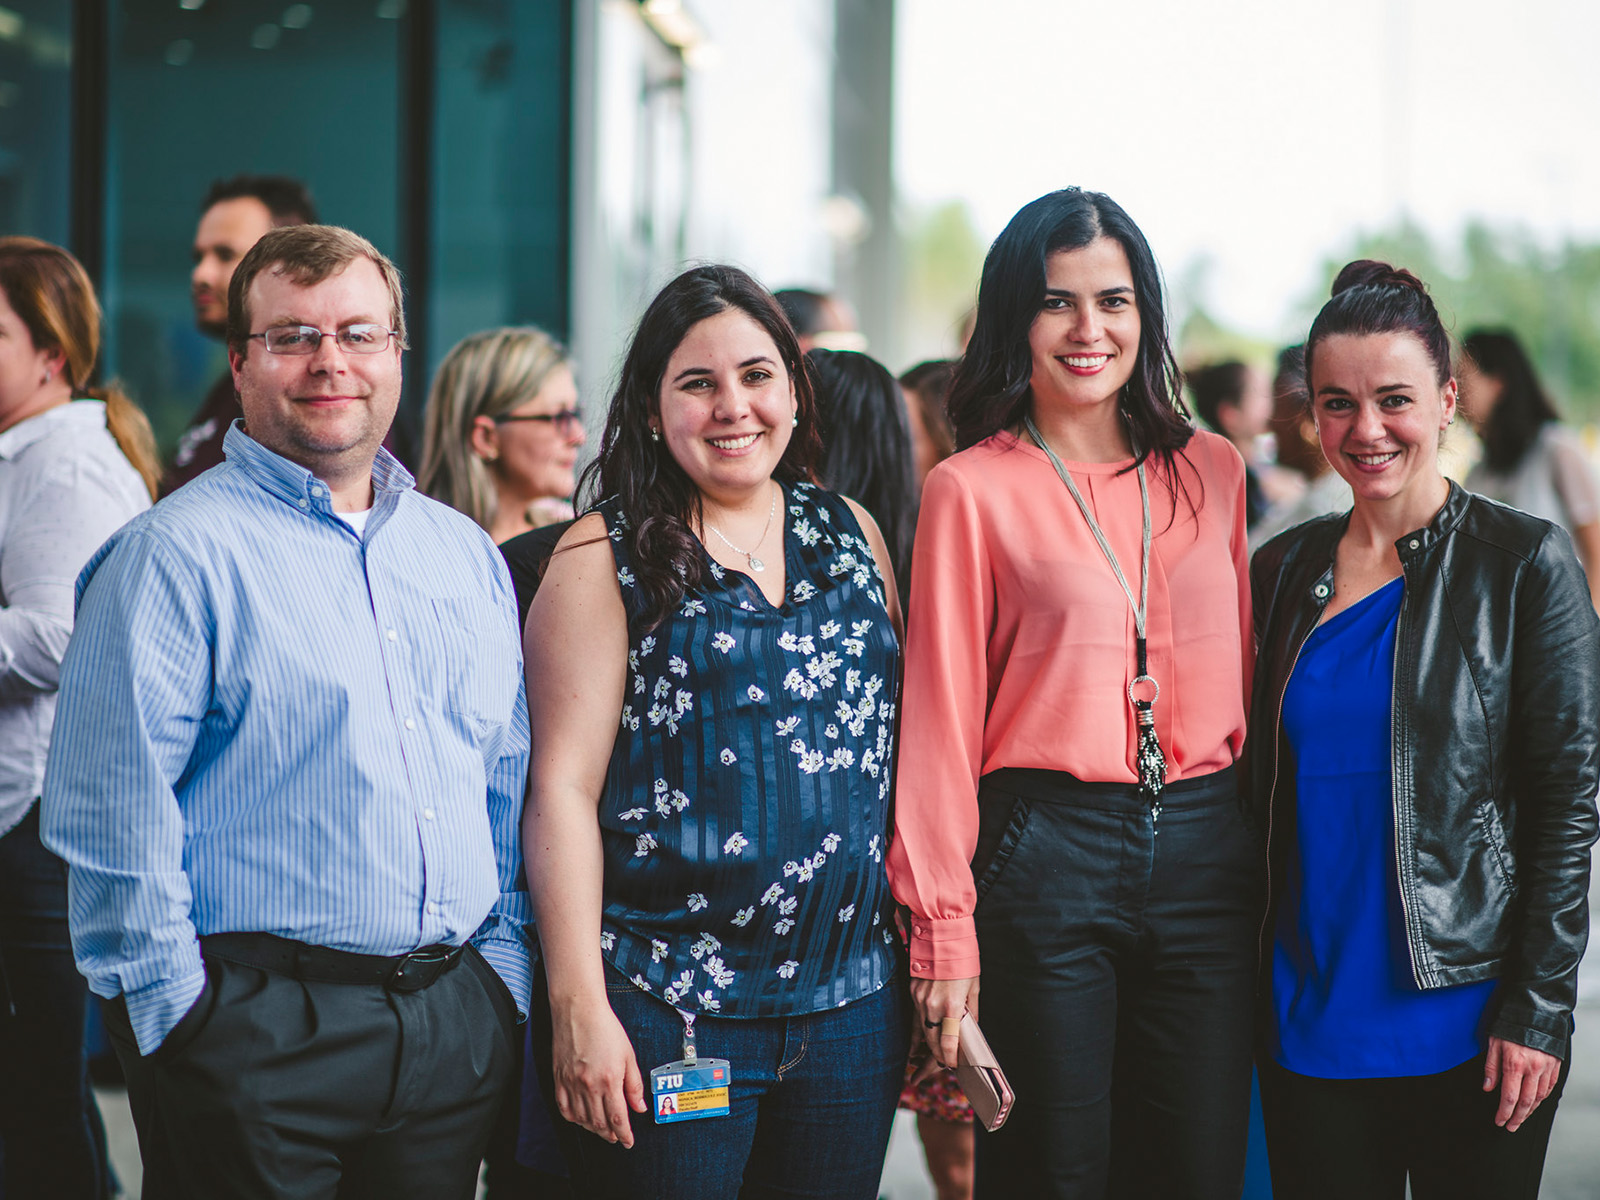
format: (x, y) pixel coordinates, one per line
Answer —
(1261, 135)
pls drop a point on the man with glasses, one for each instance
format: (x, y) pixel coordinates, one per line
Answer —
(233, 217)
(287, 778)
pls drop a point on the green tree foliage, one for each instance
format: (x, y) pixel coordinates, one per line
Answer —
(943, 259)
(1549, 297)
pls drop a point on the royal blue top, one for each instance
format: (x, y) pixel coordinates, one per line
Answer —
(746, 804)
(1346, 1001)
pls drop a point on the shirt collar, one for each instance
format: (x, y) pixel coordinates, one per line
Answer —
(294, 484)
(84, 414)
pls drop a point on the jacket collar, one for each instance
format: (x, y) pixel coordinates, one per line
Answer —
(1411, 547)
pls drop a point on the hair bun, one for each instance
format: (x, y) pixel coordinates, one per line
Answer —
(1369, 272)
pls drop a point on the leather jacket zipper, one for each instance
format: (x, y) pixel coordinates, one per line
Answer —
(1394, 786)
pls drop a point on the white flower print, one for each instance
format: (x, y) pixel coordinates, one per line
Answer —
(811, 762)
(677, 666)
(818, 860)
(860, 628)
(719, 972)
(773, 894)
(697, 901)
(829, 629)
(643, 844)
(735, 843)
(633, 814)
(664, 805)
(682, 702)
(607, 939)
(625, 577)
(847, 912)
(747, 606)
(854, 646)
(825, 515)
(852, 680)
(869, 763)
(755, 693)
(805, 872)
(658, 949)
(728, 757)
(706, 945)
(803, 591)
(742, 917)
(786, 969)
(723, 641)
(787, 726)
(806, 532)
(831, 842)
(683, 983)
(875, 848)
(708, 1001)
(638, 685)
(788, 906)
(783, 926)
(680, 801)
(629, 721)
(640, 982)
(822, 668)
(659, 787)
(717, 572)
(830, 731)
(789, 868)
(876, 918)
(616, 534)
(663, 688)
(658, 713)
(841, 757)
(646, 646)
(693, 606)
(799, 684)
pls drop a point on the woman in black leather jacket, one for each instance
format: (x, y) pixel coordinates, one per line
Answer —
(1424, 761)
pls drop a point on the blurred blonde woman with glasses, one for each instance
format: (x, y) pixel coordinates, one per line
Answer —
(503, 431)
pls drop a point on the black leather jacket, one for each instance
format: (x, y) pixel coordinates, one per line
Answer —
(1495, 747)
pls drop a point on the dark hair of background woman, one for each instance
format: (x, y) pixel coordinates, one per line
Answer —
(927, 385)
(1213, 386)
(1523, 408)
(1373, 297)
(866, 444)
(659, 501)
(991, 393)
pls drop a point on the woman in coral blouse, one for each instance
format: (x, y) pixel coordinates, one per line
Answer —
(1073, 706)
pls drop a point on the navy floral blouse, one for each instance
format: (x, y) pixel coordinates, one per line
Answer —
(746, 805)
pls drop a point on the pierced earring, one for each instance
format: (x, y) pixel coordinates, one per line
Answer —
(49, 374)
(797, 421)
(489, 458)
(655, 434)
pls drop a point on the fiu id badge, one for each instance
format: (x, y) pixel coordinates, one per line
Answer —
(692, 1087)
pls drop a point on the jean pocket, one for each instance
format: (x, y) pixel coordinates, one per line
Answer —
(1002, 822)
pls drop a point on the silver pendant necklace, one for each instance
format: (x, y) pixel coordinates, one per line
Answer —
(750, 555)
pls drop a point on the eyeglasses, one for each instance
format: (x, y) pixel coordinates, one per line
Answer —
(306, 339)
(565, 421)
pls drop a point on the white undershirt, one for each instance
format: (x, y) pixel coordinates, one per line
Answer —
(356, 520)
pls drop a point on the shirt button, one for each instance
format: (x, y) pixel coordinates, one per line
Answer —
(392, 635)
(427, 814)
(410, 724)
(1415, 543)
(433, 906)
(316, 491)
(303, 502)
(917, 966)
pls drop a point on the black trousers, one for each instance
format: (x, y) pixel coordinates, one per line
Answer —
(1119, 960)
(52, 1146)
(1335, 1138)
(283, 1088)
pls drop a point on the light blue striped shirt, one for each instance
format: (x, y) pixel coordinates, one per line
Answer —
(269, 723)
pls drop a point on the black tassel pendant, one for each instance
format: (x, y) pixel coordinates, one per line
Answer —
(1152, 763)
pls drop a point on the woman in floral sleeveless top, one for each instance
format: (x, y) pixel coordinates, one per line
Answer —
(715, 660)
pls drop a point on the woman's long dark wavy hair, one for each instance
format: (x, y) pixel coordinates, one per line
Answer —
(866, 438)
(1523, 408)
(991, 390)
(660, 503)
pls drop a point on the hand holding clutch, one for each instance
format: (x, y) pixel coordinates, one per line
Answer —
(981, 1077)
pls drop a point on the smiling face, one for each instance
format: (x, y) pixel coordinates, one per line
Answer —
(329, 410)
(727, 406)
(1085, 340)
(1380, 411)
(227, 231)
(535, 460)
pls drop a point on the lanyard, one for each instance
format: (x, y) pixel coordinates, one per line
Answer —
(1151, 761)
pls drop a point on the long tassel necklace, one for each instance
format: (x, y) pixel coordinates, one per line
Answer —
(750, 555)
(1152, 763)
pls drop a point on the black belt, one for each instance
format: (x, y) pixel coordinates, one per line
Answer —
(401, 973)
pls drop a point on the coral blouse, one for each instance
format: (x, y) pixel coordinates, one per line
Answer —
(1020, 649)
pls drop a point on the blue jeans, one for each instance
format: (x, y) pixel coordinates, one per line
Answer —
(51, 1141)
(812, 1101)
